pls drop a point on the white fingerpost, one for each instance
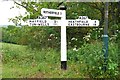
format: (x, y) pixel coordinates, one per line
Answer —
(63, 42)
(82, 21)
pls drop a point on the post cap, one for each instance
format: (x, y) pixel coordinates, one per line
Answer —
(62, 7)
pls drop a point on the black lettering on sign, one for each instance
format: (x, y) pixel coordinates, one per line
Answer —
(52, 12)
(82, 21)
(60, 13)
(68, 24)
(47, 24)
(86, 21)
(44, 11)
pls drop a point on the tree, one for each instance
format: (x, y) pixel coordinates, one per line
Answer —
(94, 10)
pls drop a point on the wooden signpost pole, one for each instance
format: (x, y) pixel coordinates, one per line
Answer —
(63, 40)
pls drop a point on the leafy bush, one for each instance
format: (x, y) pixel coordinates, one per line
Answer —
(40, 37)
(35, 37)
(91, 57)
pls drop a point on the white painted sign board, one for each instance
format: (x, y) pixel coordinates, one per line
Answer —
(52, 12)
(84, 23)
(71, 23)
(44, 22)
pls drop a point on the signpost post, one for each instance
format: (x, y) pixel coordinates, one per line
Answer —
(63, 40)
(83, 21)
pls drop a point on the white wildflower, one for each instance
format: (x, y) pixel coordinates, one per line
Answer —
(76, 39)
(73, 38)
(49, 39)
(56, 37)
(69, 42)
(75, 49)
(52, 35)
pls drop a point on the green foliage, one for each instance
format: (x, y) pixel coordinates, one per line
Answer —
(44, 37)
(114, 32)
(118, 42)
(9, 32)
(35, 37)
(13, 34)
(92, 59)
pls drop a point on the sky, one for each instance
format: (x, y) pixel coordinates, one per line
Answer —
(6, 12)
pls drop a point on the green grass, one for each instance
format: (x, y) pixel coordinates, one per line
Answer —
(22, 62)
